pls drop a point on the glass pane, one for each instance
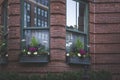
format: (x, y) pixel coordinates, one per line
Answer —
(27, 18)
(71, 39)
(36, 13)
(41, 35)
(75, 15)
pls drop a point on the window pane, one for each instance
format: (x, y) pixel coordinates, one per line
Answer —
(27, 18)
(36, 13)
(71, 39)
(41, 35)
(76, 15)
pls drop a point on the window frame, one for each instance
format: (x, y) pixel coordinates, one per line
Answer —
(86, 29)
(33, 27)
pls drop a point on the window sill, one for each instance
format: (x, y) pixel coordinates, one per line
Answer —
(34, 59)
(77, 60)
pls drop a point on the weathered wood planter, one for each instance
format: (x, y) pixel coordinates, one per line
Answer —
(77, 60)
(3, 60)
(34, 59)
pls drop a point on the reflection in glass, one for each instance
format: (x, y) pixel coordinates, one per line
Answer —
(76, 15)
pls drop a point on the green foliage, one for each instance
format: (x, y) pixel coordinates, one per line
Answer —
(3, 42)
(34, 42)
(78, 75)
(79, 44)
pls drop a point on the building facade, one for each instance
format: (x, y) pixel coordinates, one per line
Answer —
(97, 23)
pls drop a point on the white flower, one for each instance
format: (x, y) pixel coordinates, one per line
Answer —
(79, 55)
(28, 53)
(23, 40)
(24, 50)
(35, 53)
(6, 55)
(48, 53)
(3, 44)
(67, 54)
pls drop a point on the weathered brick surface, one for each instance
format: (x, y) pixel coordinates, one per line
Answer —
(56, 32)
(58, 8)
(105, 58)
(14, 21)
(104, 48)
(13, 1)
(105, 8)
(104, 36)
(14, 9)
(106, 1)
(104, 28)
(57, 20)
(57, 43)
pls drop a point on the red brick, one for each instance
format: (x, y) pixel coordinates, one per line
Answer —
(105, 58)
(56, 32)
(105, 38)
(13, 55)
(106, 1)
(14, 1)
(57, 20)
(107, 18)
(14, 32)
(104, 28)
(104, 48)
(57, 55)
(14, 21)
(13, 44)
(58, 8)
(14, 9)
(113, 7)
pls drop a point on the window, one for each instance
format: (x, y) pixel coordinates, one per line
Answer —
(77, 23)
(35, 21)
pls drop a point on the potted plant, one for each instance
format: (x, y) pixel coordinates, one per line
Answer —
(34, 53)
(77, 54)
(3, 47)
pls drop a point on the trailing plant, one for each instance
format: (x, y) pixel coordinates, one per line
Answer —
(77, 49)
(34, 49)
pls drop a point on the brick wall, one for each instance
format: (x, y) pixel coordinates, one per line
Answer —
(105, 36)
(57, 40)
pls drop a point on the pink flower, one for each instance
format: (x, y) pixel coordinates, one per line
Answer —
(32, 49)
(82, 52)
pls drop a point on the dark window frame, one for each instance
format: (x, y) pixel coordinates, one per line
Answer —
(77, 32)
(32, 27)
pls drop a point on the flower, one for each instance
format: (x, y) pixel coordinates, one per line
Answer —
(28, 53)
(35, 53)
(67, 54)
(32, 49)
(82, 52)
(23, 40)
(79, 55)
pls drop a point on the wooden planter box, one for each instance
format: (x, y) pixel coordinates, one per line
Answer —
(34, 59)
(3, 60)
(77, 60)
